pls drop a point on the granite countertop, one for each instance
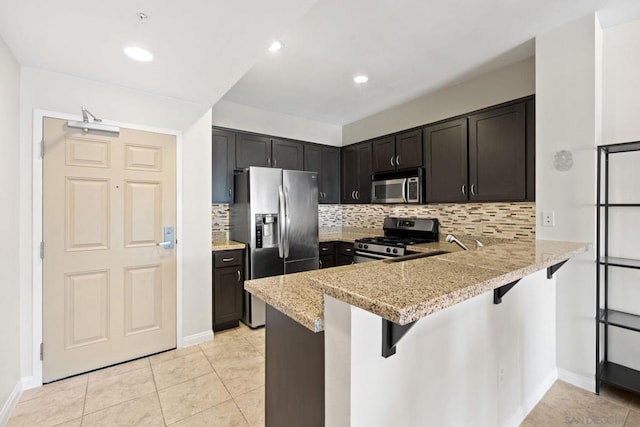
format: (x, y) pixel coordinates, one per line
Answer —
(407, 291)
(226, 245)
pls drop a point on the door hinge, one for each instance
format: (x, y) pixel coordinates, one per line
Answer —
(41, 250)
(41, 351)
(42, 148)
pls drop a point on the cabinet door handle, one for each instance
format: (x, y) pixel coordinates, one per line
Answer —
(353, 194)
(275, 162)
(464, 189)
(473, 189)
(397, 160)
(392, 161)
(357, 194)
(229, 191)
(227, 259)
(348, 250)
(269, 160)
(320, 263)
(238, 275)
(324, 249)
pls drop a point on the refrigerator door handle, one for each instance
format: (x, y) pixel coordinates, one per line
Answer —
(281, 220)
(287, 223)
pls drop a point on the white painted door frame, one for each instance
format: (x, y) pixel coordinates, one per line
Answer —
(38, 115)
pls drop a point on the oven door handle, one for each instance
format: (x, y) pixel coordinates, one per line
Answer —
(405, 184)
(370, 255)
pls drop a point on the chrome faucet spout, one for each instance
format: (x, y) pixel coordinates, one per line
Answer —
(452, 239)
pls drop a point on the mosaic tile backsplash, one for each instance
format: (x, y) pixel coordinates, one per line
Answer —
(515, 220)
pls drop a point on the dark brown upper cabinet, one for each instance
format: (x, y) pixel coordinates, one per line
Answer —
(497, 154)
(445, 160)
(486, 157)
(287, 154)
(223, 159)
(531, 150)
(356, 173)
(401, 151)
(252, 150)
(326, 161)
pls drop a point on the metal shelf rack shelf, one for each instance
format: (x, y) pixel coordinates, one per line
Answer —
(607, 371)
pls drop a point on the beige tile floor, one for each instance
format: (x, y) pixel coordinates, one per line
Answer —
(221, 383)
(566, 405)
(218, 383)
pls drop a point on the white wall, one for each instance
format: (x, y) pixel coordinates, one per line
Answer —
(511, 82)
(568, 87)
(446, 368)
(236, 116)
(9, 183)
(621, 86)
(62, 93)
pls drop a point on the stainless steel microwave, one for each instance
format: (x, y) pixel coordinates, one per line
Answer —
(397, 189)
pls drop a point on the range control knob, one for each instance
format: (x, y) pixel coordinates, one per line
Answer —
(395, 251)
(366, 246)
(388, 249)
(360, 245)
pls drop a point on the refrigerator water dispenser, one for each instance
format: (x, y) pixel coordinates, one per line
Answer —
(266, 230)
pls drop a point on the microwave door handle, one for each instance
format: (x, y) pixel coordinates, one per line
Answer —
(405, 183)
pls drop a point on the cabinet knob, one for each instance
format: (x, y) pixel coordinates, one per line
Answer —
(473, 189)
(238, 275)
(353, 194)
(357, 194)
(397, 160)
(464, 189)
(392, 161)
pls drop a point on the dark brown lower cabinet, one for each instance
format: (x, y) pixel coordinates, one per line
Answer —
(294, 379)
(334, 254)
(344, 253)
(228, 284)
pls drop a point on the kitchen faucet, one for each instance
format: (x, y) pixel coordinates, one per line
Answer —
(452, 239)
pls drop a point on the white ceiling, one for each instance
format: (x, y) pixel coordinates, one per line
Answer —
(408, 48)
(203, 47)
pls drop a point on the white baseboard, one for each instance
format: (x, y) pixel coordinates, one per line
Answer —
(30, 382)
(190, 340)
(10, 404)
(577, 380)
(532, 400)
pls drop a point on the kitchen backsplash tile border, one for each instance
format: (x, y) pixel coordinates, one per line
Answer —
(515, 220)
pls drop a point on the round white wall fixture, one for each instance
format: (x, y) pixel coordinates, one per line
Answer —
(563, 160)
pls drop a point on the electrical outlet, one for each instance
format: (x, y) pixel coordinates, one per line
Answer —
(548, 219)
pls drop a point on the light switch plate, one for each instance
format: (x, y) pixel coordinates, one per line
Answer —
(548, 219)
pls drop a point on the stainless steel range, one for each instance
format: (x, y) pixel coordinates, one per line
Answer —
(398, 234)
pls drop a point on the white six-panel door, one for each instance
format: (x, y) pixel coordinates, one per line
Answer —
(109, 290)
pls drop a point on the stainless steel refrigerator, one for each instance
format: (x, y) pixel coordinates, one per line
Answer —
(275, 213)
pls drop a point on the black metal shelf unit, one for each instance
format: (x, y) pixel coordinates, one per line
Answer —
(607, 371)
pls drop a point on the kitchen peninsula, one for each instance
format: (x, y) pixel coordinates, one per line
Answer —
(467, 360)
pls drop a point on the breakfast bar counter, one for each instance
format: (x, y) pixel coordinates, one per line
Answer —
(403, 292)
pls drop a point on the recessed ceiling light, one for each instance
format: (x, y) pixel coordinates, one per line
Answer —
(276, 46)
(138, 53)
(361, 79)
